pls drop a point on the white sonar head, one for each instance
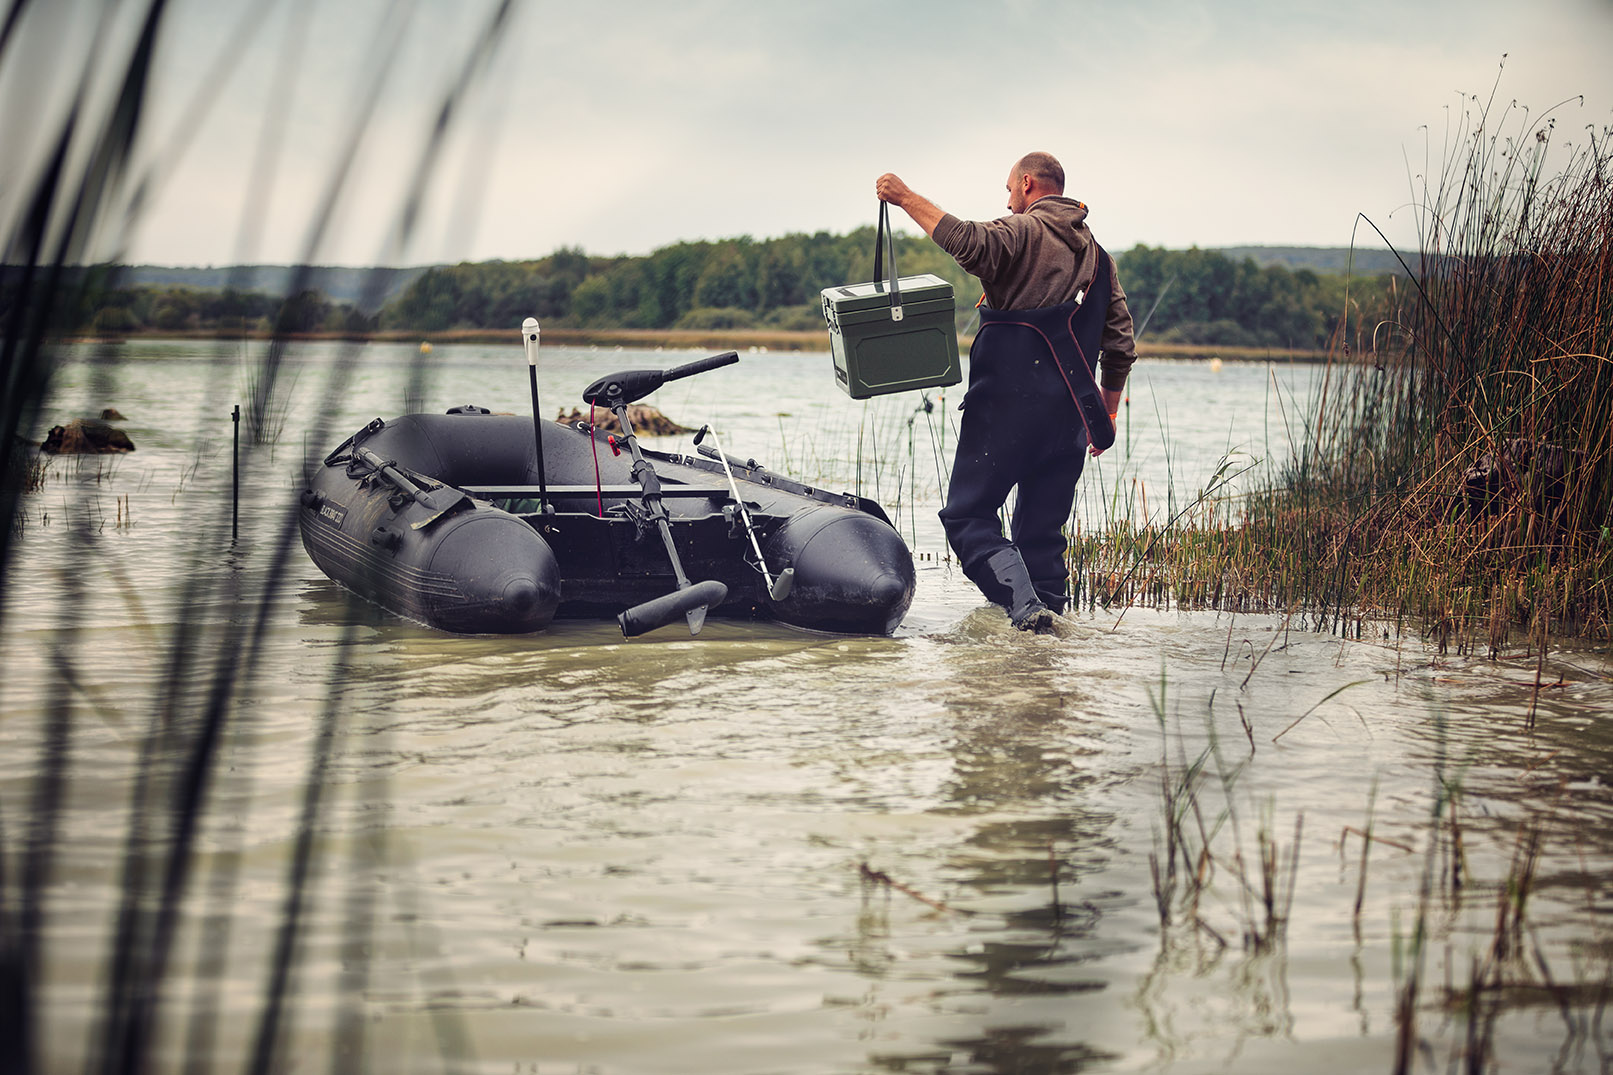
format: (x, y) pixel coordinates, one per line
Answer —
(529, 336)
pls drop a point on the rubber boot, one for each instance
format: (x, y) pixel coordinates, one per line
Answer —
(1025, 609)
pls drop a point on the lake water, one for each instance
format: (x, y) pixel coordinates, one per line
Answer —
(959, 849)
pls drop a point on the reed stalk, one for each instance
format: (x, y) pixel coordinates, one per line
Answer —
(1459, 476)
(80, 196)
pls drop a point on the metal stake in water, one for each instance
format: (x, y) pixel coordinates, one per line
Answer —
(529, 337)
(235, 479)
(778, 589)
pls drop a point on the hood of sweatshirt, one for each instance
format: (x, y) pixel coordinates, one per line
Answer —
(1066, 217)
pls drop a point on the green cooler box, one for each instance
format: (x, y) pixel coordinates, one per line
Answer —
(882, 347)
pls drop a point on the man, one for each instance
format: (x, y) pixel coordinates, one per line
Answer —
(1046, 281)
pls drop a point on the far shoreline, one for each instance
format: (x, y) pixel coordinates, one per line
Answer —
(683, 339)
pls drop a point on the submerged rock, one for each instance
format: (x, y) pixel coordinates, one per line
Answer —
(86, 436)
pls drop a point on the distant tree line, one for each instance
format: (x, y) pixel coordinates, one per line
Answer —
(1188, 296)
(734, 283)
(1202, 297)
(93, 302)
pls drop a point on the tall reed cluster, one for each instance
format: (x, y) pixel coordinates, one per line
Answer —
(167, 990)
(1458, 478)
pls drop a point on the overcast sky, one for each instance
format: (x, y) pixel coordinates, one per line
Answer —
(623, 126)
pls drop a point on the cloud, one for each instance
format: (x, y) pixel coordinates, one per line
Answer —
(626, 126)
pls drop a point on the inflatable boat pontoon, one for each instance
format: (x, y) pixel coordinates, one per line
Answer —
(474, 523)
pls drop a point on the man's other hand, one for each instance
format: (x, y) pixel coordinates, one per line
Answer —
(1111, 403)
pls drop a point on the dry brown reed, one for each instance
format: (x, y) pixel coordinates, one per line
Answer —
(1458, 478)
(1507, 969)
(1201, 836)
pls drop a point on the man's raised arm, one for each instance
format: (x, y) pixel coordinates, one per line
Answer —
(925, 213)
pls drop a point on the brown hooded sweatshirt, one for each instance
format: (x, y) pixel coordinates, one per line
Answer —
(1042, 257)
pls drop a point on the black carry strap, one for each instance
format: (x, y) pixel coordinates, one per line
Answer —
(885, 239)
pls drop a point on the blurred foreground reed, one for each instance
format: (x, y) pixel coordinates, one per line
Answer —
(79, 183)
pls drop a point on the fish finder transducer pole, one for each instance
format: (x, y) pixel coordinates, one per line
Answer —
(529, 337)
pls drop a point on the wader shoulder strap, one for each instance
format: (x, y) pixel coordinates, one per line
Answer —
(1072, 333)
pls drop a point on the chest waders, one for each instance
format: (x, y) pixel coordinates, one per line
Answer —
(1032, 407)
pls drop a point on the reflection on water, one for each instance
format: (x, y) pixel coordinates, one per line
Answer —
(764, 849)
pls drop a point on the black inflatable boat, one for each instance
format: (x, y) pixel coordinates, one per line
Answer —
(476, 523)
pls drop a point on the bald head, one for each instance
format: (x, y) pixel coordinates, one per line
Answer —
(1044, 168)
(1035, 175)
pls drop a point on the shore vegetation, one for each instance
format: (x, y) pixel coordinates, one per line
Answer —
(726, 292)
(1457, 477)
